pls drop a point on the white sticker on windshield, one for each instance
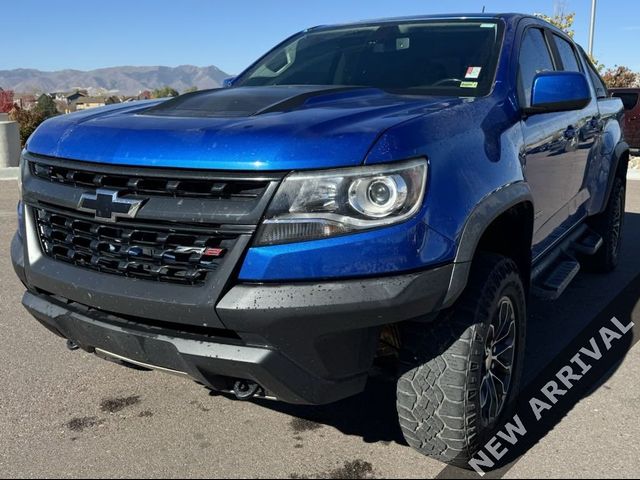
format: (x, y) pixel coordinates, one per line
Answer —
(473, 72)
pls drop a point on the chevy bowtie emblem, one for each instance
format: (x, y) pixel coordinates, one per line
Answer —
(108, 206)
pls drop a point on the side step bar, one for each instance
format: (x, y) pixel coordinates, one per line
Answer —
(557, 280)
(589, 244)
(554, 274)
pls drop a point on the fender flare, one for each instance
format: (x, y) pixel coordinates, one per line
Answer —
(482, 216)
(621, 149)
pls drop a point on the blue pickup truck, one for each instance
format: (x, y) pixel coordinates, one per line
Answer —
(380, 196)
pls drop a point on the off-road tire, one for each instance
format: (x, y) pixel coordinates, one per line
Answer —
(610, 226)
(438, 391)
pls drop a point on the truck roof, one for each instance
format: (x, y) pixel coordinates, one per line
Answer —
(447, 16)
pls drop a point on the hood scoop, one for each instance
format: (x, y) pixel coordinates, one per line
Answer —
(252, 101)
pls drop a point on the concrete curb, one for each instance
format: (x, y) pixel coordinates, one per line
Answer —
(9, 173)
(633, 175)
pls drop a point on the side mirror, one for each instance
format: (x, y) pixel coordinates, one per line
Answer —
(228, 82)
(559, 92)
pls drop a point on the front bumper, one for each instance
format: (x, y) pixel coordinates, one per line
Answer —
(214, 364)
(303, 343)
(310, 343)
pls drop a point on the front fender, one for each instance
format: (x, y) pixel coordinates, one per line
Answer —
(475, 171)
(485, 213)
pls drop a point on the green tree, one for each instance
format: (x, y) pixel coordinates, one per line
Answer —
(46, 106)
(164, 92)
(564, 21)
(599, 66)
(620, 77)
(191, 90)
(28, 120)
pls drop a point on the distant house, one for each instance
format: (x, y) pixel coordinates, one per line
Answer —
(26, 102)
(62, 106)
(145, 95)
(85, 103)
(65, 101)
(74, 96)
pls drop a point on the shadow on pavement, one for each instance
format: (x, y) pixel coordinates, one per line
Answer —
(557, 331)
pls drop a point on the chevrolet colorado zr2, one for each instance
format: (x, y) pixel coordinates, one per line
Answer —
(385, 194)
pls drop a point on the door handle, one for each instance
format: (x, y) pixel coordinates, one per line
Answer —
(597, 124)
(570, 133)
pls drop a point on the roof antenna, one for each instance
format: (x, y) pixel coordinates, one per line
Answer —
(484, 7)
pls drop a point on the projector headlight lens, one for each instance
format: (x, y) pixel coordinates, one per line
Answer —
(314, 205)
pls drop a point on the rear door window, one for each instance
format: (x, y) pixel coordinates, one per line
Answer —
(567, 53)
(598, 84)
(630, 100)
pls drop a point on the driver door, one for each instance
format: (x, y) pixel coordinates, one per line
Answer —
(557, 145)
(547, 137)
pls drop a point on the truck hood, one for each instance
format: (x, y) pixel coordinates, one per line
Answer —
(243, 128)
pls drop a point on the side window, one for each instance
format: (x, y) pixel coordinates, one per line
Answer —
(598, 84)
(567, 55)
(534, 58)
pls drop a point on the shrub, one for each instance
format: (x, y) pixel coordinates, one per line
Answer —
(28, 120)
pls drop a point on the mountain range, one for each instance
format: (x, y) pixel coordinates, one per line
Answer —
(124, 80)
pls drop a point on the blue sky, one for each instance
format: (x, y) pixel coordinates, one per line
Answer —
(90, 34)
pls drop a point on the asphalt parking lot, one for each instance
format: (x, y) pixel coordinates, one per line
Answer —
(69, 414)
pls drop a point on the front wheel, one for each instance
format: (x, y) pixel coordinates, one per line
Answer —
(460, 375)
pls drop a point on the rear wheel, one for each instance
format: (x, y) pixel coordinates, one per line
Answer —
(609, 225)
(461, 375)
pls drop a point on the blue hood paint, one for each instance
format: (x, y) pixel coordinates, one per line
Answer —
(332, 129)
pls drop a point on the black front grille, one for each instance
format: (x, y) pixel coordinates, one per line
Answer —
(141, 183)
(163, 254)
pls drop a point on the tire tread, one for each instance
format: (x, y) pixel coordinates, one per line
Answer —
(436, 393)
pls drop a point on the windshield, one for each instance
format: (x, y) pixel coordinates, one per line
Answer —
(434, 58)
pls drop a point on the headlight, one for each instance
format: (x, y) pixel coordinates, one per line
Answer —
(314, 205)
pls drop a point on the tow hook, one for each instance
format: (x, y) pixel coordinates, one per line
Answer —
(72, 346)
(243, 389)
